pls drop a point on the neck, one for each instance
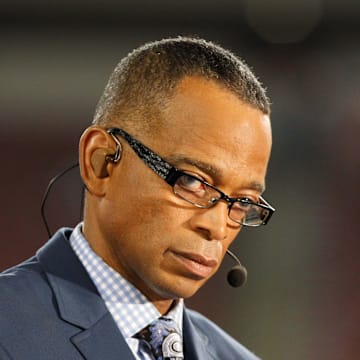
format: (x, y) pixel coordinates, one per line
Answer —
(164, 306)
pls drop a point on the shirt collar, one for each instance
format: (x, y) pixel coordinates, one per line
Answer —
(131, 310)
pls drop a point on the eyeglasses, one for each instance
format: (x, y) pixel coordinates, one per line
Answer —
(194, 190)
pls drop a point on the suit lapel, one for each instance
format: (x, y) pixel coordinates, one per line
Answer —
(103, 341)
(79, 302)
(195, 342)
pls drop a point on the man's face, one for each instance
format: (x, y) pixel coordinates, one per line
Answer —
(165, 246)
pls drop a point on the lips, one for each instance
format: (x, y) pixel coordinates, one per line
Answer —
(195, 265)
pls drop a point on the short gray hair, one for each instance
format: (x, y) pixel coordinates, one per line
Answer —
(146, 78)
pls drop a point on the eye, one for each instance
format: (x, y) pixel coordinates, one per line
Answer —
(191, 184)
(245, 201)
(243, 204)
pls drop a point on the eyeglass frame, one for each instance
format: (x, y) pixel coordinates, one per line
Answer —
(171, 174)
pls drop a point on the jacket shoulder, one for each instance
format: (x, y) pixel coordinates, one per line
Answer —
(24, 290)
(26, 284)
(30, 322)
(21, 279)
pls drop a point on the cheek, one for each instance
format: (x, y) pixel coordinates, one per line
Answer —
(144, 218)
(233, 235)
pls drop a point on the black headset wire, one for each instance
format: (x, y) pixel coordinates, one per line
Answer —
(47, 192)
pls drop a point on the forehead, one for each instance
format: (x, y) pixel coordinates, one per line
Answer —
(204, 105)
(209, 124)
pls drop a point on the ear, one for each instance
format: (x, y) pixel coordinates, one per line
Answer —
(95, 158)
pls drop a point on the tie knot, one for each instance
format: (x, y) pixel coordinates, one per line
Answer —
(163, 338)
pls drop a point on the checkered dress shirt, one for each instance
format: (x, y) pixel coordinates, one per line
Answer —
(130, 309)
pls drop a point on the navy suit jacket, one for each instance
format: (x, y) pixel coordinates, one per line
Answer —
(50, 309)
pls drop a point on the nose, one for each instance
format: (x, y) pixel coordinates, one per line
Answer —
(212, 222)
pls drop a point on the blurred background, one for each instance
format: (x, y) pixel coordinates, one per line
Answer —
(302, 297)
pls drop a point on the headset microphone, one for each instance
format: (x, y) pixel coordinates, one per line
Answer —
(238, 274)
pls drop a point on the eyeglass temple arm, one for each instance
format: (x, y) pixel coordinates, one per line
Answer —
(116, 156)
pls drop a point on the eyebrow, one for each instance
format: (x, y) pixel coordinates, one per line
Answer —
(213, 171)
(257, 186)
(205, 167)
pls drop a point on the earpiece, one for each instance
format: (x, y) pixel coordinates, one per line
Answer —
(102, 156)
(99, 161)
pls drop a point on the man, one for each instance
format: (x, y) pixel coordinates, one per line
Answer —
(174, 165)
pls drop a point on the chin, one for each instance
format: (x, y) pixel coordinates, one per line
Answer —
(180, 289)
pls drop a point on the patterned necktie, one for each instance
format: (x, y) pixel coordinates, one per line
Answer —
(163, 339)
